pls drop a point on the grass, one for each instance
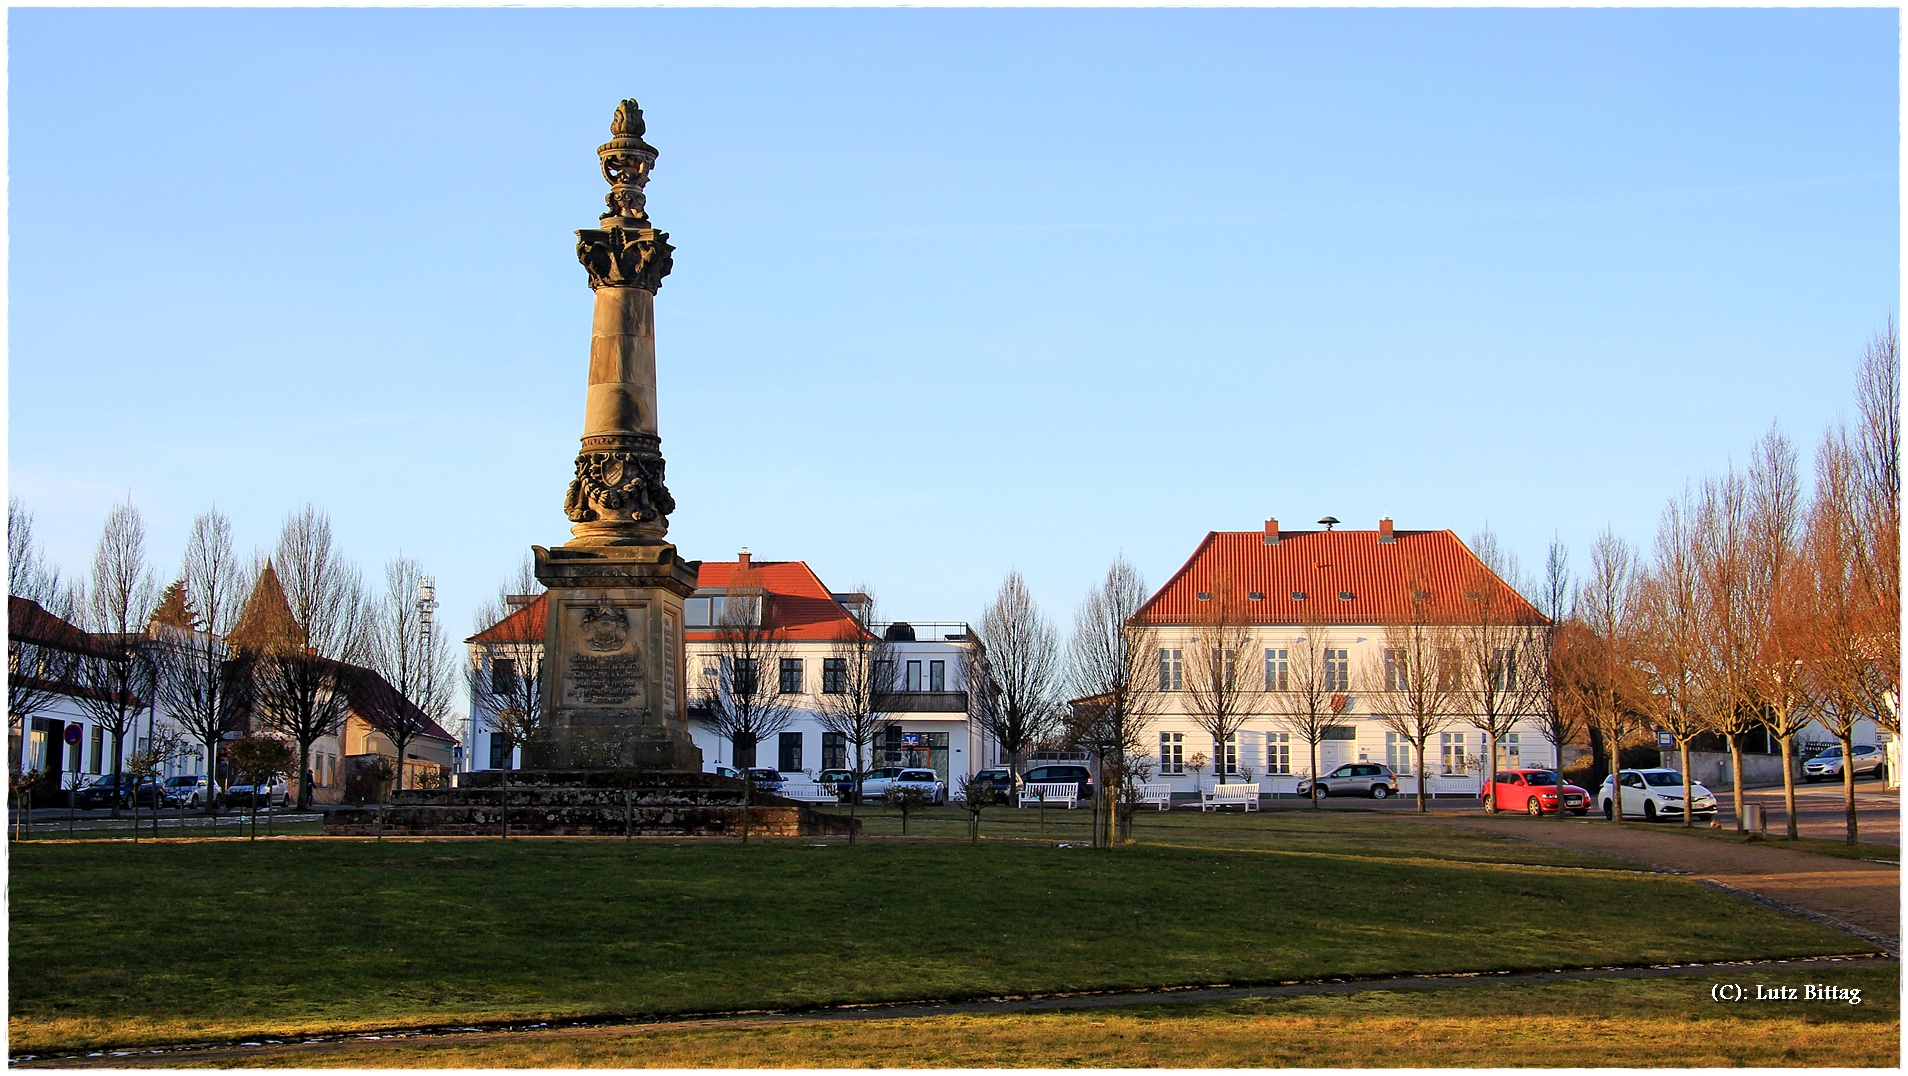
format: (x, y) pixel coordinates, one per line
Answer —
(1604, 1023)
(117, 944)
(1821, 846)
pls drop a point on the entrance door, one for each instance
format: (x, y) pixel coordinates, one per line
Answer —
(1333, 753)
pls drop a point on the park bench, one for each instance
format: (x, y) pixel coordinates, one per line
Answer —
(809, 792)
(1159, 793)
(1066, 792)
(1239, 795)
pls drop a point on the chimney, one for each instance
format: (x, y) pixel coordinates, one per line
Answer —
(1384, 530)
(742, 560)
(1271, 532)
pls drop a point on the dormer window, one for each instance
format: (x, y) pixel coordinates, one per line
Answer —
(716, 607)
(1254, 596)
(1205, 595)
(1344, 595)
(1298, 595)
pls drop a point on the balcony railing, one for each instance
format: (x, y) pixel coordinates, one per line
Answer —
(927, 631)
(923, 702)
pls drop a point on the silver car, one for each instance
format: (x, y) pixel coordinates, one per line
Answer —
(1353, 779)
(1866, 759)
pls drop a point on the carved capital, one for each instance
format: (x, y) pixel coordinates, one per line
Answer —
(619, 487)
(618, 258)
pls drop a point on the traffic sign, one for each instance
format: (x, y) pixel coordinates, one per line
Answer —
(73, 735)
(1664, 739)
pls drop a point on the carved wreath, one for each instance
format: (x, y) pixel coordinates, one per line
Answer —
(616, 482)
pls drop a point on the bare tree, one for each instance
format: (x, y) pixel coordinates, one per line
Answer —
(1559, 723)
(1405, 685)
(300, 683)
(1109, 668)
(856, 689)
(115, 688)
(414, 662)
(1018, 698)
(738, 695)
(523, 583)
(506, 690)
(1219, 698)
(1604, 606)
(1310, 690)
(40, 666)
(1492, 643)
(193, 680)
(1775, 513)
(1673, 647)
(1837, 666)
(1874, 499)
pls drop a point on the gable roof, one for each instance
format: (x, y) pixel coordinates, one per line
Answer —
(523, 625)
(1322, 565)
(29, 622)
(370, 693)
(799, 604)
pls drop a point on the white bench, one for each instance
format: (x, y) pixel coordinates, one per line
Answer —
(1234, 795)
(1054, 792)
(809, 792)
(1157, 792)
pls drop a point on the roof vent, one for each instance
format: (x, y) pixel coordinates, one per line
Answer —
(1254, 596)
(1344, 595)
(1328, 522)
(899, 632)
(1205, 595)
(1298, 595)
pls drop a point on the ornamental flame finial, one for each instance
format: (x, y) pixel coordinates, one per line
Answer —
(627, 160)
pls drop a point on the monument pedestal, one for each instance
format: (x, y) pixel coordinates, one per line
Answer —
(612, 660)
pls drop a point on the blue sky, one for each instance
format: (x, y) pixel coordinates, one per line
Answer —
(956, 291)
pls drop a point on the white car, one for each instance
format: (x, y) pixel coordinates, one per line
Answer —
(926, 780)
(1654, 794)
(276, 794)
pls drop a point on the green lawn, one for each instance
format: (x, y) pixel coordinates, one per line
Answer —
(1821, 846)
(118, 944)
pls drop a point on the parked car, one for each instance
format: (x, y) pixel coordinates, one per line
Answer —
(1048, 775)
(1000, 782)
(766, 779)
(1372, 779)
(875, 784)
(1535, 792)
(1867, 759)
(105, 791)
(192, 790)
(1654, 794)
(926, 780)
(726, 771)
(276, 794)
(841, 780)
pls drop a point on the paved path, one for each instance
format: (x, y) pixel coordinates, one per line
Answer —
(1819, 811)
(1852, 892)
(253, 1052)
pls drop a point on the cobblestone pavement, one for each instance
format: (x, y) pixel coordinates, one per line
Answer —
(1855, 892)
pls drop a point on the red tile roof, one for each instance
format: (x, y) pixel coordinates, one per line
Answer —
(1324, 564)
(28, 622)
(798, 602)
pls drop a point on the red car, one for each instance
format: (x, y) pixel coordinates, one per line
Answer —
(1535, 793)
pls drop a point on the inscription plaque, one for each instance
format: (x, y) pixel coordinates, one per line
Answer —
(603, 679)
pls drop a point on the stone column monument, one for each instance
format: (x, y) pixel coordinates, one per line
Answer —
(613, 648)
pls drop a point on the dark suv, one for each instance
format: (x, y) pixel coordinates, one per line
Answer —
(101, 792)
(1055, 774)
(999, 782)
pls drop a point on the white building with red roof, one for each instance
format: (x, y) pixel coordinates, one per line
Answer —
(1330, 593)
(928, 723)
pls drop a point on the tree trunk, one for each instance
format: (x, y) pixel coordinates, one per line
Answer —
(1735, 778)
(1616, 778)
(1788, 782)
(1422, 778)
(1848, 781)
(119, 749)
(503, 814)
(1490, 772)
(1689, 816)
(1314, 765)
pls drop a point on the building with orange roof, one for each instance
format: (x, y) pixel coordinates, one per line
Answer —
(808, 623)
(1327, 596)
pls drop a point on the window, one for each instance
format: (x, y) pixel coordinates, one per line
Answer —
(1398, 754)
(1278, 752)
(1170, 668)
(499, 753)
(1337, 670)
(1450, 669)
(884, 676)
(503, 676)
(834, 676)
(742, 676)
(97, 755)
(937, 676)
(1230, 752)
(1504, 670)
(791, 681)
(1226, 663)
(1513, 751)
(914, 676)
(713, 611)
(1275, 670)
(73, 757)
(1172, 752)
(788, 755)
(834, 750)
(1451, 753)
(1395, 679)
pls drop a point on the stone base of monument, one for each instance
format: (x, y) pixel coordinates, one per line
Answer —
(586, 803)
